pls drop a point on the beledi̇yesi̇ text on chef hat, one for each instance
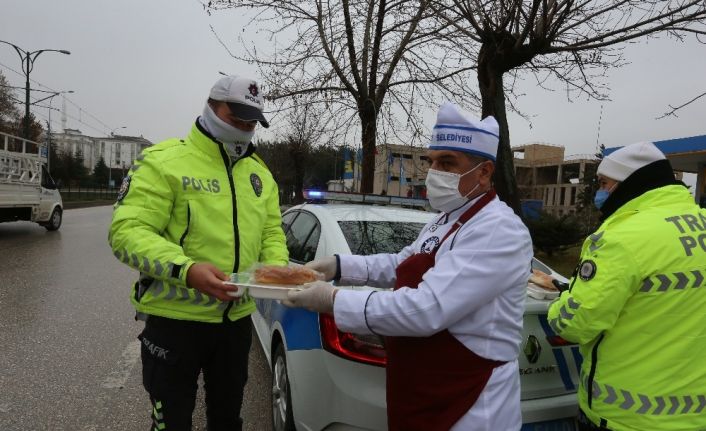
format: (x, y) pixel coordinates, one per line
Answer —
(459, 130)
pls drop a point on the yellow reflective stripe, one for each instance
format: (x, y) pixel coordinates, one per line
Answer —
(648, 404)
(594, 240)
(157, 417)
(673, 281)
(558, 324)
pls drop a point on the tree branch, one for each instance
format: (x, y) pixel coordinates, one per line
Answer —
(673, 110)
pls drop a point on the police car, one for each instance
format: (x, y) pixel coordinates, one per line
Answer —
(325, 379)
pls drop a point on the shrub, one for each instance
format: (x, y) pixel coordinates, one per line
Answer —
(551, 233)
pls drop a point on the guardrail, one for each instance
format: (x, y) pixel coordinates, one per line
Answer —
(88, 193)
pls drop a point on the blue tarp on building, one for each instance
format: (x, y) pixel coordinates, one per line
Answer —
(675, 146)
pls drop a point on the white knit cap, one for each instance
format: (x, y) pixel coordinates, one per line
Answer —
(620, 164)
(458, 130)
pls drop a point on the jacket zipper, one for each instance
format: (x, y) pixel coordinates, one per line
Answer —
(236, 234)
(592, 373)
(188, 222)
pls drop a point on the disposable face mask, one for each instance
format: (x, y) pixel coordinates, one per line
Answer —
(442, 189)
(230, 136)
(601, 197)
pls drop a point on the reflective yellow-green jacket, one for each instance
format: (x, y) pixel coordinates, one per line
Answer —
(637, 307)
(184, 203)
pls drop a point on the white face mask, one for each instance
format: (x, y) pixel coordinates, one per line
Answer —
(233, 138)
(442, 189)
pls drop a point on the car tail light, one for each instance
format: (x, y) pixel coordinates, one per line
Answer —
(368, 349)
(557, 341)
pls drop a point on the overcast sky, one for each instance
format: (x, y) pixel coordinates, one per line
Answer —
(148, 65)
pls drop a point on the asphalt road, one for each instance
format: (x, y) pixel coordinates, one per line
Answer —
(69, 357)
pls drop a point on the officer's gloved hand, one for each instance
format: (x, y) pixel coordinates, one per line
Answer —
(318, 297)
(560, 285)
(328, 266)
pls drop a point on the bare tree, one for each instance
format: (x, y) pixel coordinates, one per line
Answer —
(304, 132)
(573, 41)
(289, 157)
(9, 114)
(11, 119)
(382, 61)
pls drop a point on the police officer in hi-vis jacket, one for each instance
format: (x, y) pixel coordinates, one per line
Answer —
(637, 301)
(190, 212)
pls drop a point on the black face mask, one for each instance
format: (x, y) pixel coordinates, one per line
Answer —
(653, 176)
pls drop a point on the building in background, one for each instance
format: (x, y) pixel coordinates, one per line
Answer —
(553, 182)
(400, 170)
(118, 151)
(72, 141)
(544, 174)
(546, 178)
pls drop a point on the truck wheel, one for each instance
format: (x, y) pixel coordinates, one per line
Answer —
(282, 415)
(55, 220)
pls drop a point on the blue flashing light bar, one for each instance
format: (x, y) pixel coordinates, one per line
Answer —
(320, 196)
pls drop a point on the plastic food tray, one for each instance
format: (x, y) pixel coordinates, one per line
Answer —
(261, 291)
(537, 292)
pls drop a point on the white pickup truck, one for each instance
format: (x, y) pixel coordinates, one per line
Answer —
(27, 191)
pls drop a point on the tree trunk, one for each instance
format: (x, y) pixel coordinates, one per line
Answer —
(368, 122)
(492, 93)
(298, 190)
(298, 157)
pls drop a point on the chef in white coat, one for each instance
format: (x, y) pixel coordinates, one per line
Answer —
(453, 322)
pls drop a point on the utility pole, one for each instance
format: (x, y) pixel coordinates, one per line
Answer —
(49, 144)
(50, 98)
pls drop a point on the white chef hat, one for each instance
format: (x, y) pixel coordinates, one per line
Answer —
(458, 130)
(620, 164)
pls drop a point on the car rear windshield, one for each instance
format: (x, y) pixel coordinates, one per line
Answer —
(372, 237)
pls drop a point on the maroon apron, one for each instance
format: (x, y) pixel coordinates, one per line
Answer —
(432, 381)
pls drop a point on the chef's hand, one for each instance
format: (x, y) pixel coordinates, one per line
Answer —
(327, 266)
(318, 297)
(207, 278)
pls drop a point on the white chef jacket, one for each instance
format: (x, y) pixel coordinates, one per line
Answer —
(476, 290)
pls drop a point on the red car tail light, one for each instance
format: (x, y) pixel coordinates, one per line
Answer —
(368, 349)
(557, 341)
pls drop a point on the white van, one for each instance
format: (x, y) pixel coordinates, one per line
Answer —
(27, 191)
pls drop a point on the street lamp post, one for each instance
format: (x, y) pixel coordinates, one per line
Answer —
(50, 98)
(110, 163)
(28, 58)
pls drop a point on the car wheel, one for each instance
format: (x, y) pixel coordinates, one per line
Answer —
(282, 416)
(55, 220)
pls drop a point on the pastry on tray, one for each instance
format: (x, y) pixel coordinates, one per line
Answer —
(294, 275)
(543, 280)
